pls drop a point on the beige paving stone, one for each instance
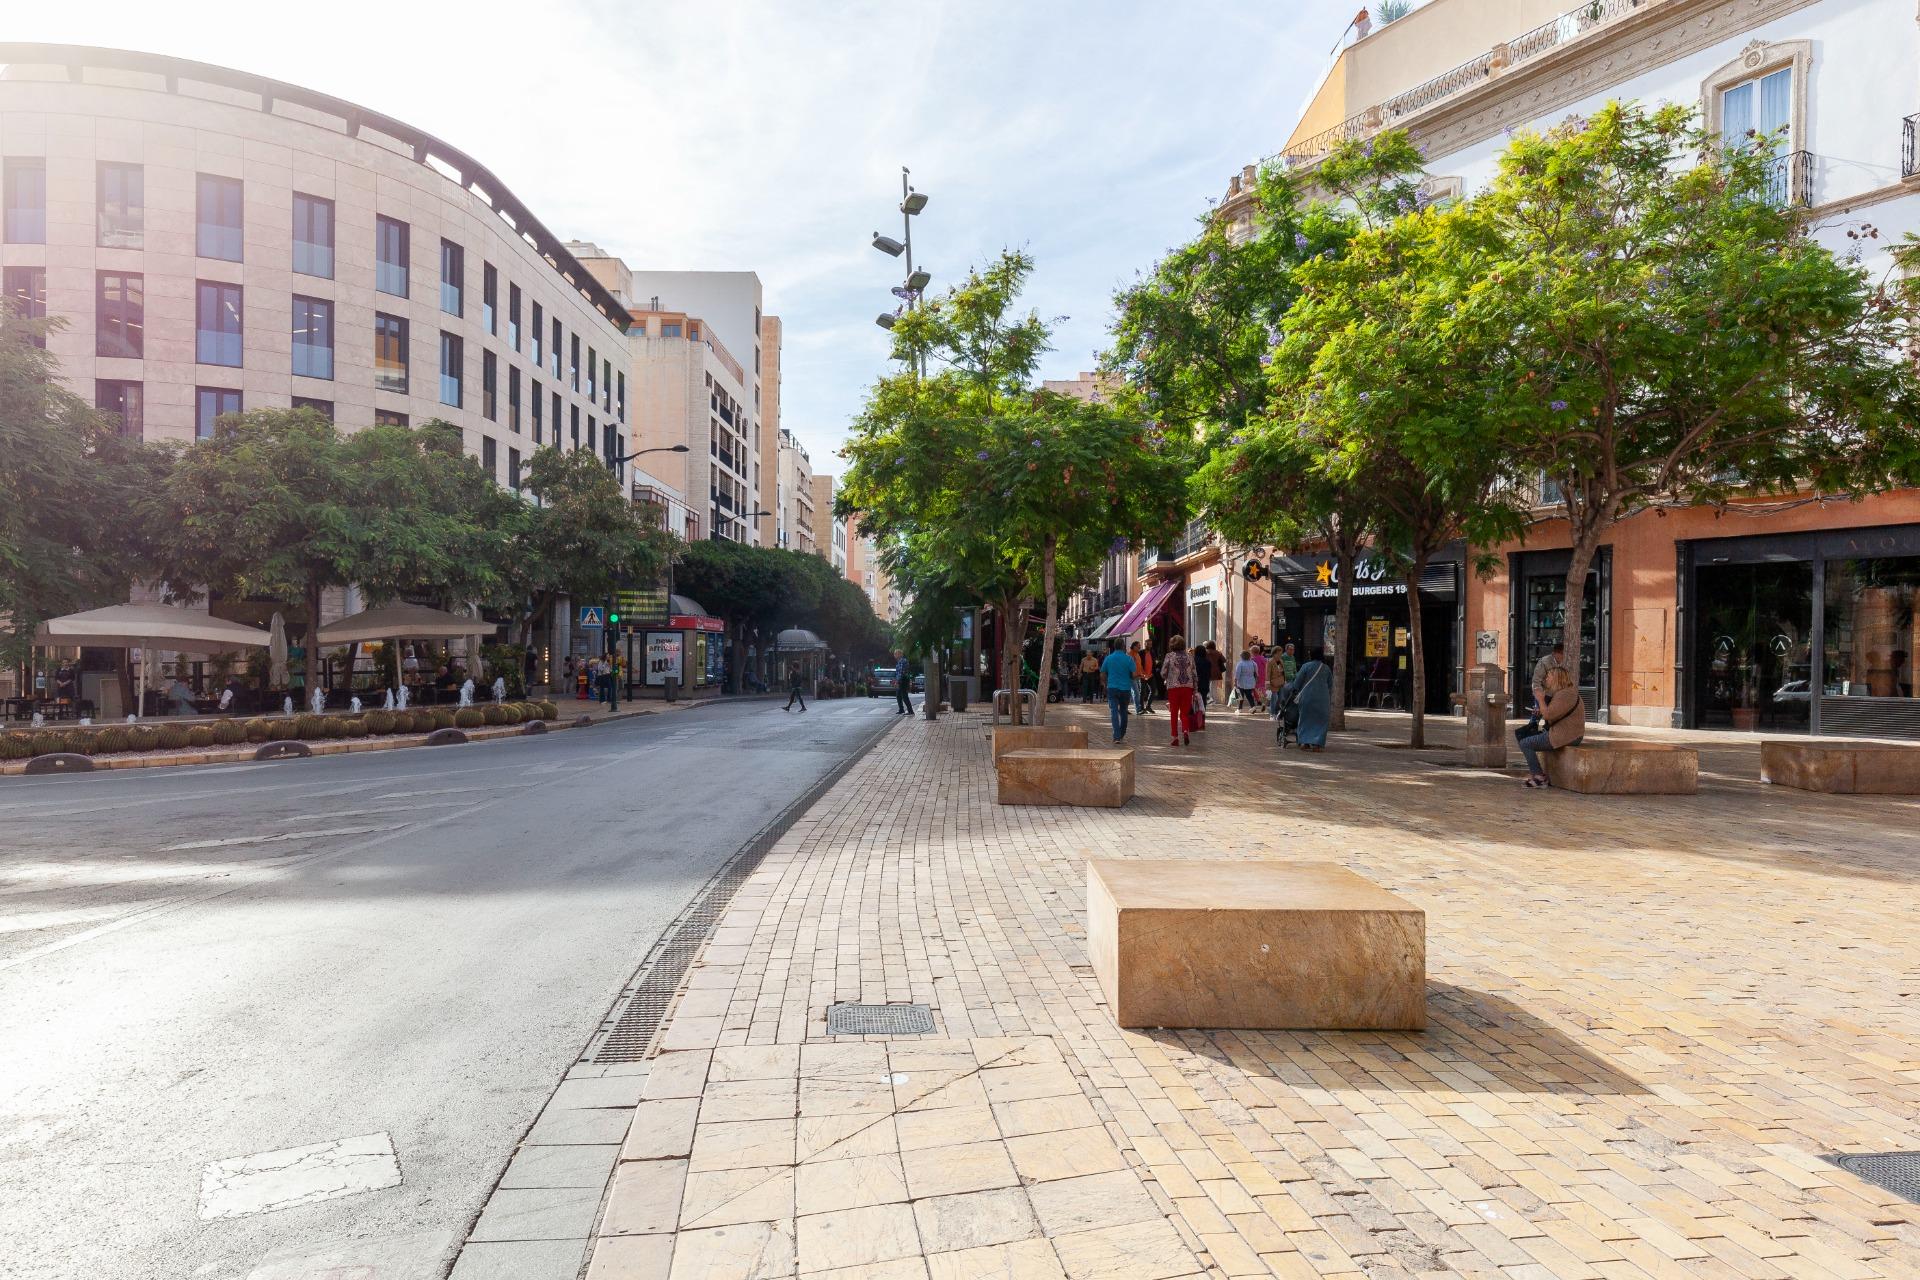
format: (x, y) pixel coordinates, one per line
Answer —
(974, 1219)
(845, 1097)
(776, 1099)
(644, 1199)
(1149, 1250)
(946, 1170)
(728, 1196)
(826, 1185)
(742, 1144)
(1032, 1259)
(1018, 1083)
(948, 1127)
(898, 1269)
(1097, 1200)
(858, 1237)
(843, 1137)
(677, 1075)
(1043, 1115)
(750, 1251)
(1066, 1153)
(661, 1129)
(755, 1062)
(630, 1258)
(865, 1062)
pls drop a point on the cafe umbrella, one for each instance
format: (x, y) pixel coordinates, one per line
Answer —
(392, 623)
(148, 627)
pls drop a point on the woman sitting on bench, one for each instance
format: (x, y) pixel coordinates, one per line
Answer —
(1563, 722)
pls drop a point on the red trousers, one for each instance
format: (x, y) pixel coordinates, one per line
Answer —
(1179, 711)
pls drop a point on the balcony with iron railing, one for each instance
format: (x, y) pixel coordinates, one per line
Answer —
(1570, 26)
(1195, 538)
(1790, 179)
(1909, 163)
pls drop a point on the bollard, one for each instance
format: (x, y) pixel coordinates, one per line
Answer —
(672, 686)
(1486, 707)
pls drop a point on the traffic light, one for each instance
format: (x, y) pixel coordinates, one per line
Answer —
(1255, 571)
(613, 619)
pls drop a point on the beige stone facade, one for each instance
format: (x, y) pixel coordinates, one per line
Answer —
(793, 497)
(211, 241)
(690, 390)
(829, 534)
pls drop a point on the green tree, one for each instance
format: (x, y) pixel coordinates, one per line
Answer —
(578, 537)
(1382, 385)
(751, 589)
(72, 494)
(1668, 334)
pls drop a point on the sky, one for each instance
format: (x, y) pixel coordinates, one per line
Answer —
(769, 136)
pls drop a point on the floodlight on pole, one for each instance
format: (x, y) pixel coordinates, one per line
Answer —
(914, 203)
(917, 282)
(888, 245)
(886, 319)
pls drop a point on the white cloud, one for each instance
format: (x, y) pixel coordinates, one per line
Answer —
(768, 135)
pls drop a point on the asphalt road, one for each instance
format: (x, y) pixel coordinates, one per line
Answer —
(205, 963)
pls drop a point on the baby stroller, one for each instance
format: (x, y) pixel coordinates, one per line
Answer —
(1286, 719)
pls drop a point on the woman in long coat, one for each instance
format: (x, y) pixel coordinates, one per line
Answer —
(1312, 686)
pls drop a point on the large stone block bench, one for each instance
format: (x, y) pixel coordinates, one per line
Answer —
(1267, 945)
(1022, 737)
(1866, 768)
(1625, 769)
(1097, 777)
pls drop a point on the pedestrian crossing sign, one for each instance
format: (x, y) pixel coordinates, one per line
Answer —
(592, 615)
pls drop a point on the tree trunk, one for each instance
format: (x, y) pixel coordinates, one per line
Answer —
(1571, 631)
(1343, 560)
(735, 653)
(1417, 652)
(1048, 555)
(1012, 633)
(930, 705)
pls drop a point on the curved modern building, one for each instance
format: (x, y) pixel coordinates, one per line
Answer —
(215, 241)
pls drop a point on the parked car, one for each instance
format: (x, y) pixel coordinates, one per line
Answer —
(882, 680)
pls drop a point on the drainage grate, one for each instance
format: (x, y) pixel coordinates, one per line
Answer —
(879, 1020)
(636, 1016)
(1897, 1171)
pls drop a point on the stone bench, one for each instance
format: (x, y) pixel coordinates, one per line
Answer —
(1097, 778)
(1269, 945)
(1625, 769)
(1023, 737)
(1867, 768)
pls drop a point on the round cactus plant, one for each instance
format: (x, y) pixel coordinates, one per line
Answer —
(143, 737)
(200, 735)
(259, 729)
(173, 737)
(15, 746)
(228, 733)
(493, 715)
(468, 718)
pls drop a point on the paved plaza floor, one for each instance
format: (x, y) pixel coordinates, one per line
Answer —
(1652, 1019)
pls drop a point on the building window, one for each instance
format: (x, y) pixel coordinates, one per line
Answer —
(534, 332)
(513, 469)
(513, 401)
(219, 231)
(576, 426)
(490, 298)
(25, 181)
(26, 294)
(312, 337)
(490, 457)
(452, 368)
(120, 204)
(1871, 638)
(388, 418)
(513, 316)
(620, 400)
(390, 256)
(453, 277)
(322, 407)
(312, 236)
(606, 385)
(555, 420)
(670, 330)
(556, 348)
(573, 364)
(535, 399)
(389, 353)
(593, 359)
(489, 386)
(210, 404)
(120, 315)
(120, 400)
(217, 328)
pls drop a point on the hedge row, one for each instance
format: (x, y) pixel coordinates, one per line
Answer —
(22, 744)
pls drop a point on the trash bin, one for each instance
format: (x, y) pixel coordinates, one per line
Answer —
(957, 693)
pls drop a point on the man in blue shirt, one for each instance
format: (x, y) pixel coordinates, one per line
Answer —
(1117, 667)
(903, 681)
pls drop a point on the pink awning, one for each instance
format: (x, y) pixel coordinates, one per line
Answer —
(1142, 609)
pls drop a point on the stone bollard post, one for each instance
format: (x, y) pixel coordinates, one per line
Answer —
(1486, 716)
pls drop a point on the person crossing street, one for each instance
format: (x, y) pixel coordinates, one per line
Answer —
(902, 682)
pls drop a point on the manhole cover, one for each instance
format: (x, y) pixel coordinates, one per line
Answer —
(1897, 1171)
(879, 1020)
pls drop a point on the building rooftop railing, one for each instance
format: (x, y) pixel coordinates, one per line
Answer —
(1548, 36)
(449, 161)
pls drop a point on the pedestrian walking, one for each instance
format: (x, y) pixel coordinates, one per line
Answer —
(1142, 678)
(1563, 716)
(1260, 686)
(1312, 686)
(1118, 669)
(1289, 664)
(1219, 667)
(796, 687)
(1177, 671)
(902, 682)
(1246, 677)
(1089, 677)
(1202, 673)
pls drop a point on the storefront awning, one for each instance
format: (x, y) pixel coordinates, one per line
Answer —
(1142, 609)
(1102, 628)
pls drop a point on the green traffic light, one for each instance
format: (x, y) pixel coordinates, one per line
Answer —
(614, 619)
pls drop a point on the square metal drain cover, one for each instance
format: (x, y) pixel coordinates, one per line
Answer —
(879, 1020)
(1897, 1171)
